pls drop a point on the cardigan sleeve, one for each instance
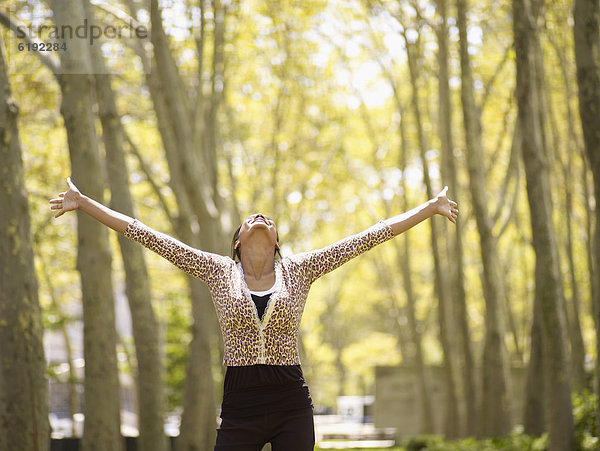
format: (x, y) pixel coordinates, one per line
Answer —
(200, 264)
(315, 264)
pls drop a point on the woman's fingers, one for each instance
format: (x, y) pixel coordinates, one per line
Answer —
(451, 211)
(71, 184)
(59, 202)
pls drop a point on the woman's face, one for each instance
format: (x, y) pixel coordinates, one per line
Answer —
(257, 223)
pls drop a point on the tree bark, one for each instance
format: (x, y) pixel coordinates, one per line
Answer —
(102, 393)
(548, 290)
(452, 418)
(202, 219)
(495, 408)
(534, 415)
(24, 421)
(149, 378)
(427, 422)
(456, 272)
(577, 343)
(587, 56)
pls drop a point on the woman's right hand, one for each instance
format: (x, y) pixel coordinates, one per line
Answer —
(66, 201)
(445, 206)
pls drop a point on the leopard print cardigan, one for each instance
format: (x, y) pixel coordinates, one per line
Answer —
(248, 340)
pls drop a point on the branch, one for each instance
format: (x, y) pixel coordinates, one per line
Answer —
(118, 13)
(512, 210)
(49, 59)
(513, 169)
(492, 79)
(504, 130)
(148, 173)
(129, 20)
(422, 18)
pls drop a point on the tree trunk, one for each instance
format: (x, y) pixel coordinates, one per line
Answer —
(150, 392)
(192, 165)
(587, 55)
(102, 394)
(452, 419)
(456, 249)
(548, 290)
(534, 415)
(575, 332)
(427, 422)
(23, 385)
(577, 343)
(495, 408)
(577, 350)
(198, 399)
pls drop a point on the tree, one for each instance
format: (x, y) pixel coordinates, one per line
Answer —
(23, 385)
(548, 289)
(403, 252)
(449, 173)
(495, 413)
(149, 383)
(452, 419)
(102, 427)
(587, 55)
(188, 131)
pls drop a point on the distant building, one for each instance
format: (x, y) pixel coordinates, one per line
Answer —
(58, 390)
(355, 409)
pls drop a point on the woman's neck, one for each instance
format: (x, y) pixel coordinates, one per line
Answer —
(258, 263)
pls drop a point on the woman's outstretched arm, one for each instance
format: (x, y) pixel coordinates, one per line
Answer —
(72, 199)
(321, 261)
(203, 265)
(438, 205)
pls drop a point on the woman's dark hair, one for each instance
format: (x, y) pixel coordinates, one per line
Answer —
(235, 253)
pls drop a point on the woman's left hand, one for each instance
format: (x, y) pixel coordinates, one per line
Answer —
(445, 206)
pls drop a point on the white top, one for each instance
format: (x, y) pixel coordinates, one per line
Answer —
(264, 293)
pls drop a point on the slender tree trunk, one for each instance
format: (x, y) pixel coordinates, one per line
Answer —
(192, 165)
(587, 56)
(548, 289)
(150, 393)
(575, 332)
(198, 422)
(427, 422)
(577, 343)
(23, 385)
(452, 419)
(589, 233)
(495, 408)
(102, 394)
(456, 272)
(534, 414)
(571, 306)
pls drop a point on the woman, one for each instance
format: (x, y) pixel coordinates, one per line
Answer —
(259, 302)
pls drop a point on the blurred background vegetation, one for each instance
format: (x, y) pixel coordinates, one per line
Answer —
(328, 116)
